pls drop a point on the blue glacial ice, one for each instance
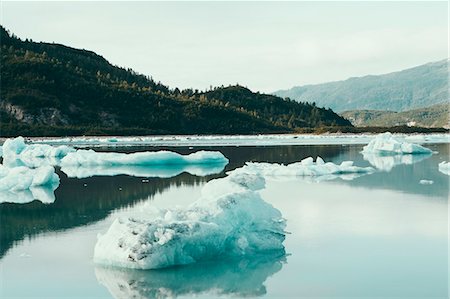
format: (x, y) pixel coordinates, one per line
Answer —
(229, 220)
(319, 170)
(17, 153)
(386, 144)
(161, 158)
(23, 184)
(444, 167)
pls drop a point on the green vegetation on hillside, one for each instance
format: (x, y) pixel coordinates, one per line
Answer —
(436, 116)
(51, 89)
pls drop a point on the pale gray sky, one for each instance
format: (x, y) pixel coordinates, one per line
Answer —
(264, 45)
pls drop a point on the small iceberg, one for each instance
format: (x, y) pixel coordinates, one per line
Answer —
(22, 184)
(306, 168)
(444, 167)
(240, 277)
(161, 158)
(17, 153)
(229, 220)
(426, 182)
(385, 144)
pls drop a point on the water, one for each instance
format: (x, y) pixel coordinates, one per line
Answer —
(379, 235)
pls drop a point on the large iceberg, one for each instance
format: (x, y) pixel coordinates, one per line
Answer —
(240, 277)
(17, 153)
(22, 184)
(386, 144)
(444, 167)
(160, 158)
(306, 168)
(230, 219)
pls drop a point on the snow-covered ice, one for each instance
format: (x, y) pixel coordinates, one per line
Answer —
(387, 144)
(22, 184)
(444, 167)
(305, 168)
(17, 153)
(387, 163)
(142, 170)
(230, 219)
(160, 158)
(240, 277)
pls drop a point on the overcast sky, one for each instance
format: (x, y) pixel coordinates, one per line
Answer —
(263, 45)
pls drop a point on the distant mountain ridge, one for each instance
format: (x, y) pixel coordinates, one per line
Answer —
(436, 116)
(52, 89)
(413, 88)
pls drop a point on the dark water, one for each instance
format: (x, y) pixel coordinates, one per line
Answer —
(382, 234)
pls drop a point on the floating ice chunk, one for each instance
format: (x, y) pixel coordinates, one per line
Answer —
(386, 144)
(305, 168)
(444, 167)
(22, 184)
(231, 221)
(426, 182)
(91, 158)
(142, 170)
(386, 163)
(240, 277)
(17, 153)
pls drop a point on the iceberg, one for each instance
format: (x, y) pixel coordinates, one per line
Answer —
(241, 277)
(386, 144)
(22, 184)
(387, 163)
(444, 167)
(229, 220)
(160, 158)
(305, 168)
(17, 153)
(141, 170)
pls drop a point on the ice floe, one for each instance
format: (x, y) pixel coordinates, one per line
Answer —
(240, 277)
(386, 144)
(17, 153)
(160, 158)
(22, 184)
(318, 169)
(230, 219)
(426, 182)
(444, 167)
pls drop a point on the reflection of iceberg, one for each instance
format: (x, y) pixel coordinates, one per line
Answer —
(17, 153)
(230, 219)
(444, 167)
(242, 277)
(386, 163)
(142, 170)
(386, 144)
(22, 184)
(319, 170)
(161, 158)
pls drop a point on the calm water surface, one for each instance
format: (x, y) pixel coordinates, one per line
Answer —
(378, 235)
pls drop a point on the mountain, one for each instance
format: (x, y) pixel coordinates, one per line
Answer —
(436, 116)
(52, 89)
(413, 88)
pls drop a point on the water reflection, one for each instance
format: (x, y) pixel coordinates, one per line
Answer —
(158, 171)
(239, 277)
(386, 163)
(44, 194)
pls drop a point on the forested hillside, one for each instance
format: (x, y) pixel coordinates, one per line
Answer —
(52, 89)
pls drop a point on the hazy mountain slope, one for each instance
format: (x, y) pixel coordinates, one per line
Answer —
(417, 87)
(436, 116)
(51, 89)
